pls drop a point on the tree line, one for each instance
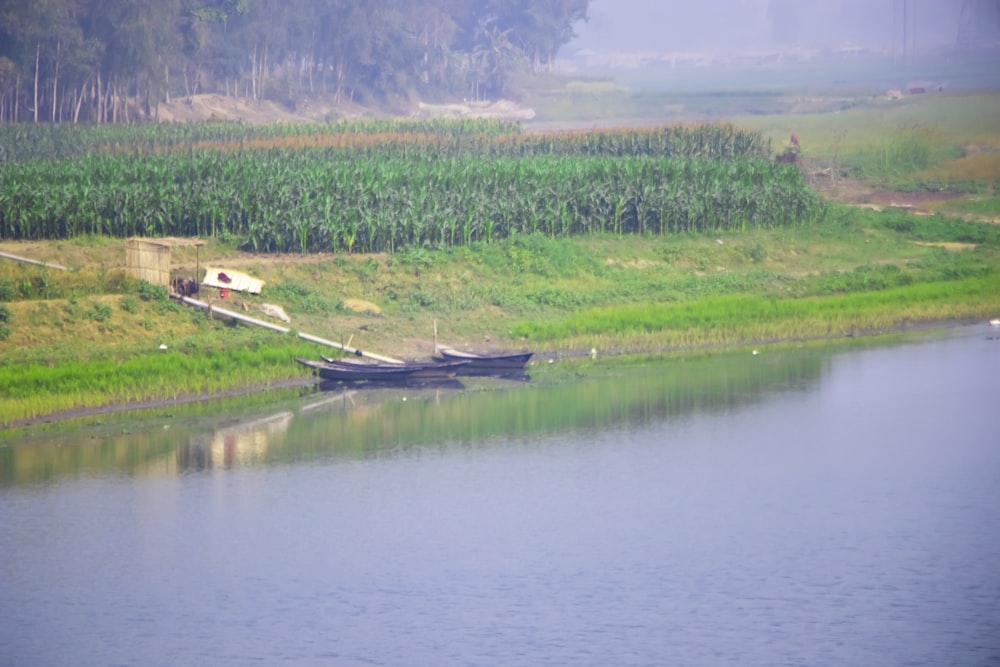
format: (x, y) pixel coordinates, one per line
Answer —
(113, 61)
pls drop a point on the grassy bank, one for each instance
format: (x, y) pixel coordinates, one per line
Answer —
(854, 272)
(612, 274)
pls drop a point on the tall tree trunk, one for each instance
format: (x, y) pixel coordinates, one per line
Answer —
(38, 58)
(123, 94)
(55, 82)
(263, 73)
(253, 70)
(312, 66)
(339, 94)
(79, 103)
(99, 98)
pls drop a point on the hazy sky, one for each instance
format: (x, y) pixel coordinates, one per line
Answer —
(682, 25)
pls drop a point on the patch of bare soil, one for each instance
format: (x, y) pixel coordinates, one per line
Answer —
(320, 108)
(220, 107)
(311, 109)
(861, 193)
(500, 109)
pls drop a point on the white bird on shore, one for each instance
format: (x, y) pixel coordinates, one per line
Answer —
(995, 322)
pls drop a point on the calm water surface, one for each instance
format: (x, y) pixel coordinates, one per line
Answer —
(808, 507)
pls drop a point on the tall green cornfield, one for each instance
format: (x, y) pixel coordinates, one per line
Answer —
(394, 186)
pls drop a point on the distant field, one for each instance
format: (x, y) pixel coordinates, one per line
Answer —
(843, 75)
(946, 138)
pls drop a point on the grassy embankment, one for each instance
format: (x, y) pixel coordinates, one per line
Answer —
(855, 275)
(89, 337)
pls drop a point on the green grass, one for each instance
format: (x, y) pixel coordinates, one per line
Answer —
(89, 337)
(938, 140)
(37, 388)
(732, 319)
(950, 119)
(986, 207)
(854, 271)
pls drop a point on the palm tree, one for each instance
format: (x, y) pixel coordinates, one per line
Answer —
(493, 59)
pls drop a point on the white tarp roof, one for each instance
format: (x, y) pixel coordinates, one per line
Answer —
(237, 280)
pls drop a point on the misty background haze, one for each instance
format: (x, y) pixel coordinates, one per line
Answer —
(754, 25)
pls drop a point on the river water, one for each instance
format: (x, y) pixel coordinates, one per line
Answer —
(812, 506)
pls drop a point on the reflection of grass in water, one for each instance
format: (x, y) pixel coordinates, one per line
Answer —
(380, 423)
(605, 395)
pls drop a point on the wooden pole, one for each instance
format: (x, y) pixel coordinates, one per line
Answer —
(31, 261)
(280, 329)
(349, 350)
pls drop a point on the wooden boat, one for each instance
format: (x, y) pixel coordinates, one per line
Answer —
(342, 370)
(506, 364)
(483, 363)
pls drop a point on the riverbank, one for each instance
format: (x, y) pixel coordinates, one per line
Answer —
(898, 242)
(541, 369)
(854, 273)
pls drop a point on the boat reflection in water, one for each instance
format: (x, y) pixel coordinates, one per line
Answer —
(242, 444)
(361, 421)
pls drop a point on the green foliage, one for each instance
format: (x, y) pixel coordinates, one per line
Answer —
(734, 318)
(985, 206)
(412, 191)
(417, 258)
(129, 304)
(29, 283)
(99, 312)
(939, 229)
(420, 298)
(911, 148)
(34, 388)
(298, 297)
(476, 49)
(5, 329)
(72, 309)
(864, 278)
(154, 293)
(369, 270)
(943, 265)
(756, 252)
(671, 253)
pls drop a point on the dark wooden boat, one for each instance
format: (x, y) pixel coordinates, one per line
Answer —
(502, 364)
(483, 363)
(342, 370)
